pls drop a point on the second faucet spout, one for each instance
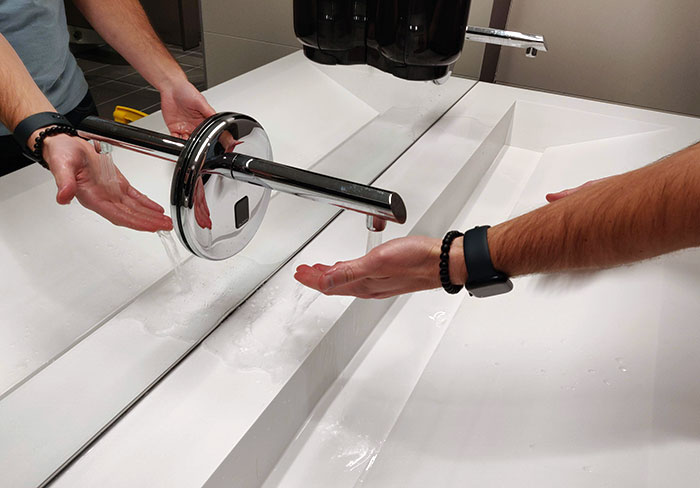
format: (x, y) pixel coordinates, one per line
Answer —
(532, 43)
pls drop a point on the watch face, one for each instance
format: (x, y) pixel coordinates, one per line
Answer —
(491, 289)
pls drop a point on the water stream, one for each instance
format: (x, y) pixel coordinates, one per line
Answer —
(373, 240)
(166, 238)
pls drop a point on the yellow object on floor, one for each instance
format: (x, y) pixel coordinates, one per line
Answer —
(126, 115)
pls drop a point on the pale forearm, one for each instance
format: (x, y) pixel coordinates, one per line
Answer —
(125, 26)
(626, 218)
(19, 95)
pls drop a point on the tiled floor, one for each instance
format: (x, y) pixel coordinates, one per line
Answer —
(113, 82)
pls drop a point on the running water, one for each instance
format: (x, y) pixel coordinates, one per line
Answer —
(107, 171)
(166, 238)
(374, 239)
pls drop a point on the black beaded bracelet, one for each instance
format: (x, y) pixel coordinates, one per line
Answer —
(51, 131)
(447, 285)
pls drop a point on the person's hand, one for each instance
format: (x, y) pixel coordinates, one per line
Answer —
(184, 108)
(201, 209)
(81, 172)
(399, 266)
(553, 197)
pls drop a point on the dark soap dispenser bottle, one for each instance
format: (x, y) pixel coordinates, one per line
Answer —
(411, 39)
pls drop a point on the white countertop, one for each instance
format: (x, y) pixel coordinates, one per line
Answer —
(397, 414)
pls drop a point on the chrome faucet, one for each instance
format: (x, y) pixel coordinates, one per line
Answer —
(224, 176)
(532, 43)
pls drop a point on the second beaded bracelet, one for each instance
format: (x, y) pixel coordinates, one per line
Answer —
(51, 131)
(447, 284)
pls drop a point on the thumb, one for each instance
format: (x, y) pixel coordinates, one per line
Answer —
(66, 183)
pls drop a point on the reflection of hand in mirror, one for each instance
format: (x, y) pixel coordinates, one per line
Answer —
(201, 209)
(228, 142)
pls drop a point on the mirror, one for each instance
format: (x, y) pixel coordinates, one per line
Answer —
(93, 315)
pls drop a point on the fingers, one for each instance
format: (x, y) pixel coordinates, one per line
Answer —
(124, 215)
(201, 209)
(313, 277)
(553, 197)
(201, 215)
(144, 200)
(127, 209)
(341, 274)
(327, 278)
(308, 276)
(321, 267)
(134, 209)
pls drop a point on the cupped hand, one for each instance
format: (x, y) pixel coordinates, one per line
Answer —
(81, 172)
(398, 266)
(184, 108)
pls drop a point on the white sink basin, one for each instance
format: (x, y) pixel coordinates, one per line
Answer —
(571, 380)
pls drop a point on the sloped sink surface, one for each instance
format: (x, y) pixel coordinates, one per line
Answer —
(582, 379)
(576, 380)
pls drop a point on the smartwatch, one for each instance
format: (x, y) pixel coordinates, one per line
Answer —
(482, 279)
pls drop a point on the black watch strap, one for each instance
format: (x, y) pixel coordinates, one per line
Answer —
(35, 122)
(482, 278)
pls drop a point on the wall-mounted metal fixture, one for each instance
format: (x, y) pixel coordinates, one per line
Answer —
(223, 178)
(530, 42)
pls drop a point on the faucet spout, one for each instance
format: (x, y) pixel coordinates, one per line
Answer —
(348, 195)
(532, 43)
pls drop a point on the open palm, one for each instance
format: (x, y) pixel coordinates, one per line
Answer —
(82, 173)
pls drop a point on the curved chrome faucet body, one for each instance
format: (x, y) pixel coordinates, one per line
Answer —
(224, 176)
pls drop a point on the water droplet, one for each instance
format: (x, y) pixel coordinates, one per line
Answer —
(607, 383)
(623, 369)
(619, 360)
(591, 371)
(588, 469)
(542, 371)
(496, 364)
(440, 318)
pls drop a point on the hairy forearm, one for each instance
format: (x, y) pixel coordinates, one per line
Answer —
(625, 218)
(125, 26)
(19, 95)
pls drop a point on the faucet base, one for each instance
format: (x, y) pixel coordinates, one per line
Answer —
(216, 216)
